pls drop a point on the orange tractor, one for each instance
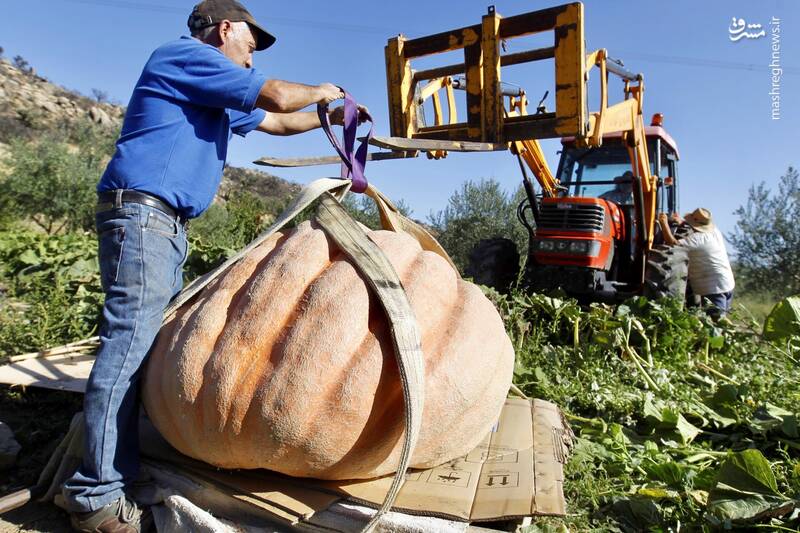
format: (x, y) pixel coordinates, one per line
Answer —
(592, 225)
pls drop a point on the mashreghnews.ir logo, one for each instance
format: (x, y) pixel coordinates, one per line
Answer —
(739, 30)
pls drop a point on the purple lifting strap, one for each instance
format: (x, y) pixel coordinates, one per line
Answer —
(352, 162)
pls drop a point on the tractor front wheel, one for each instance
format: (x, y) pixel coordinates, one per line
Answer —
(666, 272)
(494, 263)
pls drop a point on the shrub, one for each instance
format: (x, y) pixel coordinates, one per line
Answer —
(767, 238)
(52, 286)
(478, 211)
(22, 65)
(51, 181)
(364, 210)
(224, 229)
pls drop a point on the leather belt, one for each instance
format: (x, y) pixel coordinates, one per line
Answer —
(111, 199)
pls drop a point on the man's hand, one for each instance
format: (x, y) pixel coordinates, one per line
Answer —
(328, 92)
(336, 115)
(666, 232)
(673, 218)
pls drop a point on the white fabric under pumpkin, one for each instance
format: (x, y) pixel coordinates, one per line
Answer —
(177, 515)
(174, 513)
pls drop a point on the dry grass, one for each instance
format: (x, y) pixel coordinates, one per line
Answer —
(756, 305)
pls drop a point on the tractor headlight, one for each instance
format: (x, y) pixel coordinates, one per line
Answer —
(579, 247)
(569, 246)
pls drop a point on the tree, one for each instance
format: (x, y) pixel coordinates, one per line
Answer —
(767, 237)
(51, 181)
(22, 65)
(363, 209)
(100, 95)
(477, 211)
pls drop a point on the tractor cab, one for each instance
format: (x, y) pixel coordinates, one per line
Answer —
(586, 236)
(605, 172)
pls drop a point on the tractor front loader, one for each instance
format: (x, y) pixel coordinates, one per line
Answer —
(592, 224)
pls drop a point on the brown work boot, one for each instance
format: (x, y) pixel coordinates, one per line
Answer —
(120, 516)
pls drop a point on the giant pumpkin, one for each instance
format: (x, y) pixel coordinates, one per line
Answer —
(285, 362)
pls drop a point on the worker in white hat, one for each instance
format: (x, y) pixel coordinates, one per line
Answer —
(710, 274)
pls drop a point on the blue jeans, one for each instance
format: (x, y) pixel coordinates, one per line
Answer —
(722, 301)
(141, 252)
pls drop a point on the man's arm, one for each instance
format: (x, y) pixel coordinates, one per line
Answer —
(280, 96)
(289, 123)
(666, 232)
(302, 121)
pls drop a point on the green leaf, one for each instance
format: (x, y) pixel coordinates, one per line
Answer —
(784, 320)
(685, 429)
(669, 422)
(602, 338)
(671, 473)
(82, 269)
(716, 342)
(745, 489)
(634, 513)
(726, 394)
(770, 417)
(720, 414)
(29, 257)
(541, 376)
(650, 411)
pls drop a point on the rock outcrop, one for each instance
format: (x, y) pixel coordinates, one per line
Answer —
(30, 103)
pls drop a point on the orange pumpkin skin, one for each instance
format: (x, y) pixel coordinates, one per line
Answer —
(285, 362)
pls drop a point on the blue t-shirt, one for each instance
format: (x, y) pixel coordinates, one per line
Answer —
(187, 103)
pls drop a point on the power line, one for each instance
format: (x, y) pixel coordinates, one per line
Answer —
(139, 6)
(385, 31)
(708, 63)
(278, 21)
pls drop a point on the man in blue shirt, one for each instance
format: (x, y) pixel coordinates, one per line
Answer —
(193, 94)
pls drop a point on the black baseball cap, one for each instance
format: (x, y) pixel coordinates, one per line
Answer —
(210, 12)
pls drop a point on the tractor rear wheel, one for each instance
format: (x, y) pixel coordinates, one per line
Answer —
(666, 272)
(494, 263)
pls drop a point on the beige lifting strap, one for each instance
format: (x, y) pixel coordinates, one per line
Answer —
(379, 272)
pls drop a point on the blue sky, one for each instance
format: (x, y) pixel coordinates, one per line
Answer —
(712, 92)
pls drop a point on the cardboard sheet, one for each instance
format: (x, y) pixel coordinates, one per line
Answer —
(515, 472)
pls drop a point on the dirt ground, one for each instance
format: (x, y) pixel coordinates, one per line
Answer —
(39, 419)
(35, 518)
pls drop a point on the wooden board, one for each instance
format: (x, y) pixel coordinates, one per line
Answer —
(327, 160)
(426, 145)
(62, 372)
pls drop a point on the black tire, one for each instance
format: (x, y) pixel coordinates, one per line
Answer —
(494, 263)
(666, 273)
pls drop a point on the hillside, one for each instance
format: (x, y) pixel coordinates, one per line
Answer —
(31, 105)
